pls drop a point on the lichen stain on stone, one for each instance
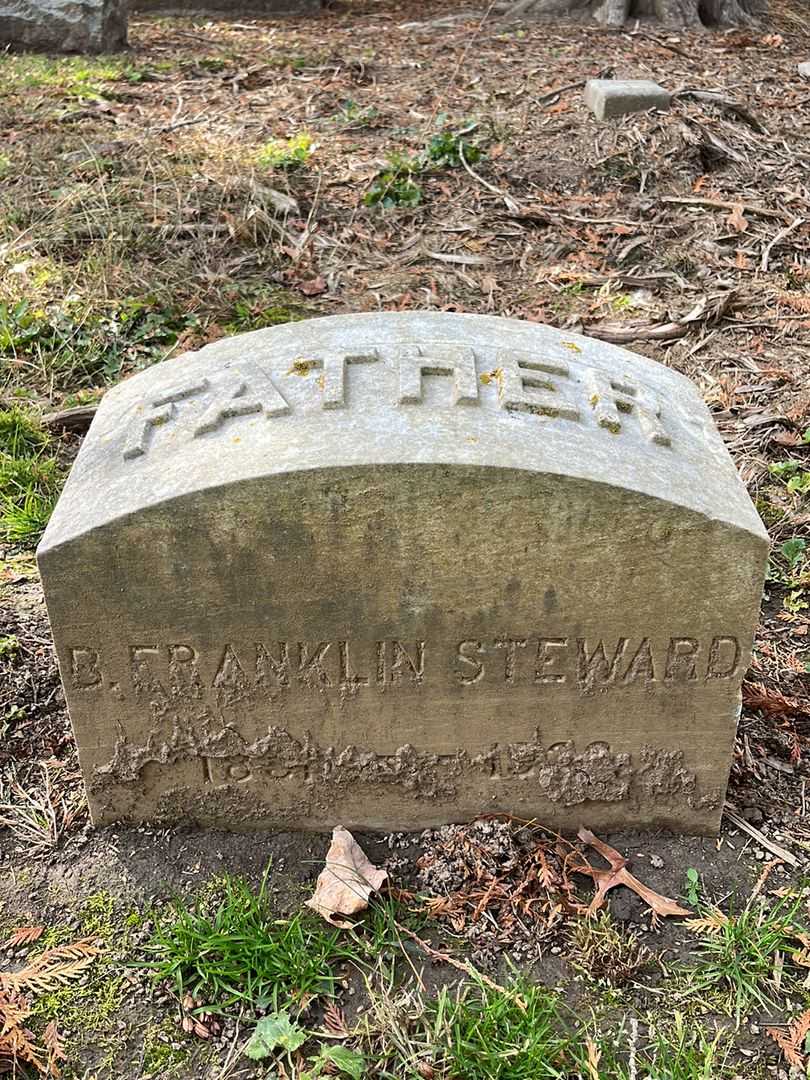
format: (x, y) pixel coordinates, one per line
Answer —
(302, 366)
(558, 772)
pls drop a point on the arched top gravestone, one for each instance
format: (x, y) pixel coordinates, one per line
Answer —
(399, 569)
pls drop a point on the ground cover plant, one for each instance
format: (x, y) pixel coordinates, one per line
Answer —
(222, 177)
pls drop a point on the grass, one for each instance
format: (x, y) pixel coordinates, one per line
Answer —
(30, 477)
(78, 344)
(526, 1032)
(75, 76)
(740, 957)
(289, 153)
(486, 1034)
(228, 948)
(606, 953)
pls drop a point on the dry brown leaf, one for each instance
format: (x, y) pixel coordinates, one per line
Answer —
(790, 1041)
(737, 219)
(346, 882)
(24, 935)
(314, 287)
(797, 301)
(13, 1010)
(605, 880)
(594, 1057)
(334, 1020)
(16, 1042)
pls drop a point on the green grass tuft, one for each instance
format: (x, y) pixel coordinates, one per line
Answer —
(30, 478)
(738, 954)
(486, 1034)
(289, 153)
(229, 948)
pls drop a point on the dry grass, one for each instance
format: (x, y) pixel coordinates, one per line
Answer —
(38, 815)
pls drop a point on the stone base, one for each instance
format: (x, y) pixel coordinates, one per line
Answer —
(607, 98)
(64, 26)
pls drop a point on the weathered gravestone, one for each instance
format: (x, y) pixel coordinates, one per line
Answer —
(83, 26)
(399, 569)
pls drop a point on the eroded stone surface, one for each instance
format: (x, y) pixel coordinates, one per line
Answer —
(396, 570)
(83, 26)
(607, 98)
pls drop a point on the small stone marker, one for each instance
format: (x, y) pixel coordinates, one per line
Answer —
(607, 98)
(65, 26)
(400, 569)
(804, 69)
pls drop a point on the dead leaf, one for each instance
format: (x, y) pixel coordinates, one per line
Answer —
(334, 1020)
(347, 880)
(737, 218)
(314, 287)
(783, 437)
(619, 875)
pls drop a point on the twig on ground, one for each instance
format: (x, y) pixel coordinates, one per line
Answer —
(722, 204)
(461, 965)
(780, 236)
(776, 849)
(511, 205)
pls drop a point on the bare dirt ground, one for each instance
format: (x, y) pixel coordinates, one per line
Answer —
(217, 179)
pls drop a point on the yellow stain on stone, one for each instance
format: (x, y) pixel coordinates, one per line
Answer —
(302, 366)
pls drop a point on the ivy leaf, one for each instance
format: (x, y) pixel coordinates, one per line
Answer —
(793, 550)
(274, 1032)
(348, 1062)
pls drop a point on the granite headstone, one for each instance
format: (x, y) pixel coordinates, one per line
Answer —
(392, 570)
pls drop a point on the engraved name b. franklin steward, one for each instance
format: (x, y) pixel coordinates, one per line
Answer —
(235, 670)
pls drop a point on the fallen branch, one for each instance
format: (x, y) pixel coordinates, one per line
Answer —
(511, 205)
(76, 420)
(546, 99)
(617, 334)
(708, 311)
(734, 107)
(721, 204)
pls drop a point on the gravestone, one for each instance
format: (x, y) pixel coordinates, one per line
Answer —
(394, 570)
(65, 26)
(608, 98)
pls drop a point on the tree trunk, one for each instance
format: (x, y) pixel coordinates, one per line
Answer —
(678, 13)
